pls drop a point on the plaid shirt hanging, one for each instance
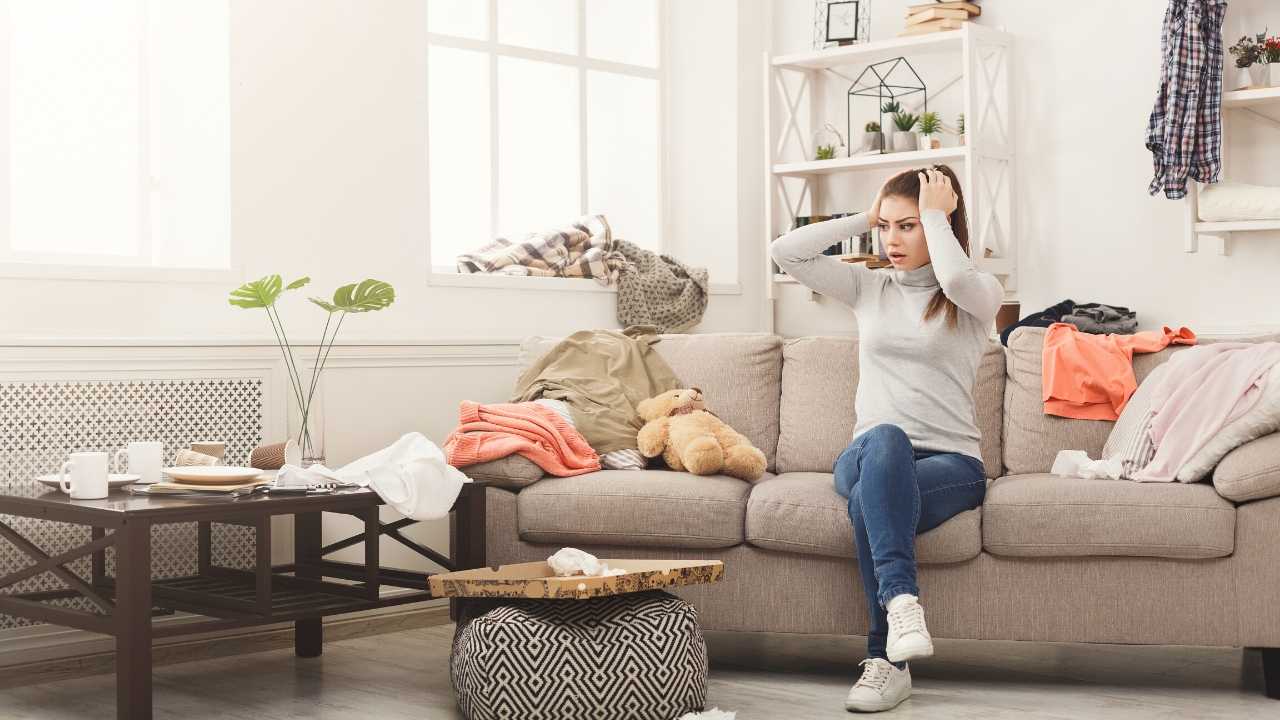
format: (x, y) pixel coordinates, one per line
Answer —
(1184, 133)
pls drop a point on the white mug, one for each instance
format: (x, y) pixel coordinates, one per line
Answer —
(88, 476)
(144, 460)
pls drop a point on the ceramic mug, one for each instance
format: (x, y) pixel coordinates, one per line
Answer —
(143, 459)
(88, 476)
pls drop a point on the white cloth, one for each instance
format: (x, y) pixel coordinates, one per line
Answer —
(1076, 463)
(572, 561)
(411, 475)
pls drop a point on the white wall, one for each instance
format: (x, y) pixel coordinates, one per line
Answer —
(1085, 80)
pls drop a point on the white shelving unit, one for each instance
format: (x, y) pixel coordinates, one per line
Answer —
(985, 164)
(1264, 104)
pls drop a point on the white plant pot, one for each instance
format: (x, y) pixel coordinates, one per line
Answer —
(1240, 78)
(1260, 75)
(1273, 74)
(905, 141)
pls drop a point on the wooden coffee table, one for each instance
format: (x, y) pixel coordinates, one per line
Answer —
(232, 598)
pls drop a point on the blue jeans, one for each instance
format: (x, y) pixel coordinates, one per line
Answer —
(895, 492)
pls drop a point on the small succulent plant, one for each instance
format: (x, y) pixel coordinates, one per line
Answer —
(904, 121)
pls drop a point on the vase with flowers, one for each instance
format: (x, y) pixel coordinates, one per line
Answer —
(1250, 60)
(1271, 54)
(365, 296)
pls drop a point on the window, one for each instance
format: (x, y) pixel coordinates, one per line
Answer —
(116, 124)
(540, 111)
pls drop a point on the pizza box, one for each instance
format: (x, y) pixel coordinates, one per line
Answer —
(537, 579)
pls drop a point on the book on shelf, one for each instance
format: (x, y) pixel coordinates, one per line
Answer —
(916, 18)
(932, 26)
(969, 7)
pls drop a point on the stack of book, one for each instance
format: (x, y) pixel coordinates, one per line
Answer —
(939, 17)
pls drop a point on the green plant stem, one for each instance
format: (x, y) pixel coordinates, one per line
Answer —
(315, 370)
(283, 342)
(325, 359)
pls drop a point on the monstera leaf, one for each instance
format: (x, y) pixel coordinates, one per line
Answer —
(263, 292)
(365, 296)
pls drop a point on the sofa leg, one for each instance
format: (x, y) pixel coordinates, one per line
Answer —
(1271, 672)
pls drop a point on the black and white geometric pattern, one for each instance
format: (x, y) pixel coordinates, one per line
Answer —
(41, 422)
(636, 656)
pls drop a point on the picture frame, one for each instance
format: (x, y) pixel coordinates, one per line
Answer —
(851, 24)
(843, 22)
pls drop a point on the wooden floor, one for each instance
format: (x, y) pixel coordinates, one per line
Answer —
(405, 675)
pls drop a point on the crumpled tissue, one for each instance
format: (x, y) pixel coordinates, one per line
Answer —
(411, 475)
(1076, 463)
(572, 561)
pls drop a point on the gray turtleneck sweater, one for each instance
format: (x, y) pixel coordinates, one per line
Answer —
(914, 374)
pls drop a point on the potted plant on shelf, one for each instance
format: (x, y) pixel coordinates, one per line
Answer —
(930, 124)
(904, 139)
(889, 108)
(1249, 68)
(872, 138)
(960, 127)
(827, 143)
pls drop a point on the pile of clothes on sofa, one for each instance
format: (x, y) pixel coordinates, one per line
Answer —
(1185, 417)
(573, 410)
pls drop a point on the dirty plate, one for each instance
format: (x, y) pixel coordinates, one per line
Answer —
(212, 474)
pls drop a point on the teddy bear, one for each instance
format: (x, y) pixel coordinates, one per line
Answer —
(679, 427)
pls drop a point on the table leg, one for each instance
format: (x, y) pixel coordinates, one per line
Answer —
(466, 536)
(308, 633)
(133, 621)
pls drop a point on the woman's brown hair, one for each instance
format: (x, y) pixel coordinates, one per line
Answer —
(907, 185)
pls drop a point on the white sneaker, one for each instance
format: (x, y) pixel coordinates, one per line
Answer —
(908, 637)
(881, 687)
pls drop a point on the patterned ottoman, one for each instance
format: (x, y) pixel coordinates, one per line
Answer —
(639, 656)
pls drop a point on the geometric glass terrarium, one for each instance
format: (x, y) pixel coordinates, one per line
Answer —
(886, 81)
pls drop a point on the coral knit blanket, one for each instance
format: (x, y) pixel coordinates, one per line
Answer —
(495, 430)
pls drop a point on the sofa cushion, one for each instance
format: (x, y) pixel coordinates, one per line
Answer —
(656, 508)
(801, 512)
(1032, 438)
(1049, 515)
(1251, 471)
(820, 380)
(512, 471)
(740, 373)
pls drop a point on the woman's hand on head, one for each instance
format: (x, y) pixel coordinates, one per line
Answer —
(873, 215)
(936, 192)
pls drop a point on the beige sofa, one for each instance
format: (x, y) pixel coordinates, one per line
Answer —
(1045, 558)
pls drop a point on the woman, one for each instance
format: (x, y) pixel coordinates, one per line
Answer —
(913, 462)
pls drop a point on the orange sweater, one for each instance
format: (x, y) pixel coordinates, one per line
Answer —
(496, 430)
(1089, 376)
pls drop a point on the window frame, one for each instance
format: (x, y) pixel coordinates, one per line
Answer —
(448, 275)
(138, 267)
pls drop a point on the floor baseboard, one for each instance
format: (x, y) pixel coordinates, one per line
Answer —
(250, 640)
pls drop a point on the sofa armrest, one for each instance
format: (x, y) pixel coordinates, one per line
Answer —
(511, 472)
(1251, 471)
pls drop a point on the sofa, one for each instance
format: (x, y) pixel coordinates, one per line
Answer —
(1046, 558)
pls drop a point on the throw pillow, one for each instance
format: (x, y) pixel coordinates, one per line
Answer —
(1251, 471)
(1129, 441)
(1261, 419)
(511, 472)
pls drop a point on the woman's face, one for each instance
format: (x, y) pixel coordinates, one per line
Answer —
(901, 236)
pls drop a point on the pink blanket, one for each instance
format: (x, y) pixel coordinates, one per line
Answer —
(1202, 390)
